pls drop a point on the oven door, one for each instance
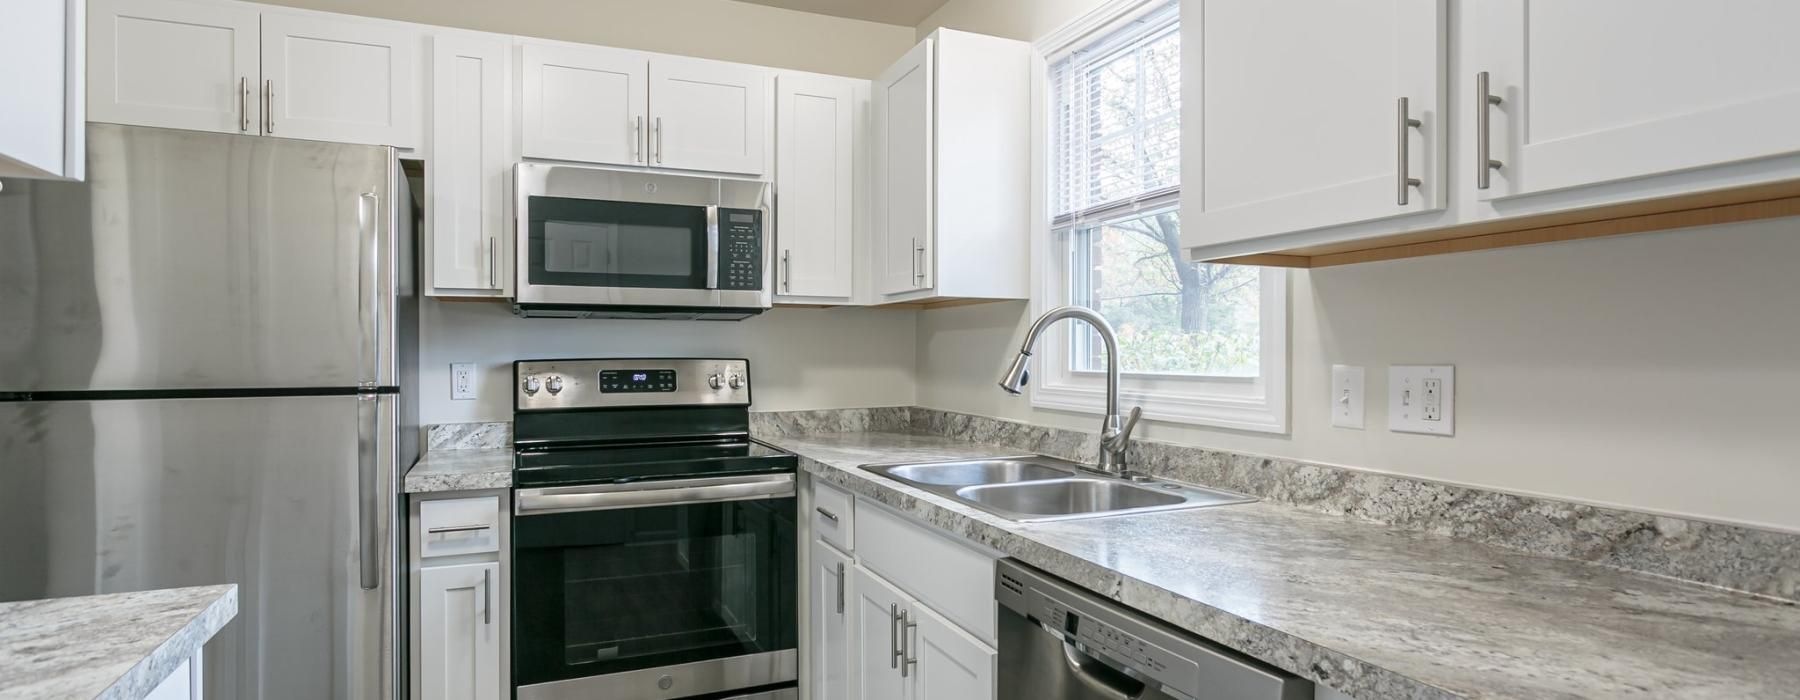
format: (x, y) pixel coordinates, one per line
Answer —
(655, 589)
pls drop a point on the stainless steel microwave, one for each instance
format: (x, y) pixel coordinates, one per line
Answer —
(597, 243)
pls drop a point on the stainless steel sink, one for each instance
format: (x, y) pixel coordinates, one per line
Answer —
(1035, 488)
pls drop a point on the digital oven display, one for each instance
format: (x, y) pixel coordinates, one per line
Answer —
(636, 381)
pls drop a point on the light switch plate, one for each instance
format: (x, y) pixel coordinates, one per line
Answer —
(462, 381)
(1347, 396)
(1422, 399)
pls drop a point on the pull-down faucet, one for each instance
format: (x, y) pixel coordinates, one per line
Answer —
(1114, 438)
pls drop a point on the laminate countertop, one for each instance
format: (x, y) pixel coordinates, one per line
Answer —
(461, 470)
(1372, 610)
(117, 646)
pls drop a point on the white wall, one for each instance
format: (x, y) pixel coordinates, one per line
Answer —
(799, 358)
(1654, 372)
(717, 29)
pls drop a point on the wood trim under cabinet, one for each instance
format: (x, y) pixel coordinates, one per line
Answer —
(1751, 203)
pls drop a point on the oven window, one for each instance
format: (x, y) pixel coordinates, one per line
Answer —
(596, 243)
(620, 590)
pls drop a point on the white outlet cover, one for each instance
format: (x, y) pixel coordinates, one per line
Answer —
(1410, 389)
(462, 381)
(1347, 397)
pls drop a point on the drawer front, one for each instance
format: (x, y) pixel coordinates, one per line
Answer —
(946, 575)
(459, 526)
(834, 516)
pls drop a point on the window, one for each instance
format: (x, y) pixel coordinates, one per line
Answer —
(1198, 343)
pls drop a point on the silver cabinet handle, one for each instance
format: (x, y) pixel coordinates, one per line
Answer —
(637, 138)
(893, 635)
(1403, 121)
(487, 597)
(656, 129)
(1484, 161)
(269, 106)
(828, 514)
(840, 596)
(919, 264)
(368, 416)
(455, 528)
(907, 660)
(243, 103)
(787, 272)
(494, 262)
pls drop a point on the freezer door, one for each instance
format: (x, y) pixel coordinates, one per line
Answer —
(200, 260)
(266, 493)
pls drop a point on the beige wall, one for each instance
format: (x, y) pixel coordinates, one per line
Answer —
(1655, 372)
(718, 29)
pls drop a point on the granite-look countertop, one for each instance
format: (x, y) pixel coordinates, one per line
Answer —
(1374, 611)
(461, 470)
(117, 646)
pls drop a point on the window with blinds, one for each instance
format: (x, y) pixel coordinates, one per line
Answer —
(1115, 179)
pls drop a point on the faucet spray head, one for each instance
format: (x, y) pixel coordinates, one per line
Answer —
(1016, 375)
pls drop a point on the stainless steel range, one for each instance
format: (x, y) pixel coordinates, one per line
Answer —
(654, 543)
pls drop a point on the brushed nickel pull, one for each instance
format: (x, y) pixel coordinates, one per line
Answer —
(656, 129)
(828, 514)
(487, 597)
(494, 262)
(637, 138)
(840, 596)
(269, 106)
(243, 103)
(787, 277)
(455, 528)
(1404, 121)
(907, 660)
(1484, 161)
(919, 262)
(893, 635)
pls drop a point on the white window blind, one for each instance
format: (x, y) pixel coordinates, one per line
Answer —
(1116, 122)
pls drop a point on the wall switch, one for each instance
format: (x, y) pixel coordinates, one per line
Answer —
(1347, 396)
(462, 380)
(1422, 399)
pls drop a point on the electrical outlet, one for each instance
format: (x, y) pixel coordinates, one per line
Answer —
(1422, 399)
(1347, 396)
(462, 381)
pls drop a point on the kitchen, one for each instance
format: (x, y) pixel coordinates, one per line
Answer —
(1609, 513)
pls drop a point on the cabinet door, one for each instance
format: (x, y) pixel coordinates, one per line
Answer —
(707, 115)
(344, 80)
(815, 184)
(459, 640)
(831, 604)
(1605, 90)
(1291, 114)
(174, 64)
(947, 662)
(874, 651)
(585, 104)
(903, 173)
(466, 220)
(43, 131)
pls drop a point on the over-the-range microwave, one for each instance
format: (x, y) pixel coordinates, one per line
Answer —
(598, 243)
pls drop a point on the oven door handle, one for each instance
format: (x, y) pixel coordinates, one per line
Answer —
(571, 499)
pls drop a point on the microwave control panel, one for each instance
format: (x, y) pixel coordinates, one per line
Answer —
(740, 249)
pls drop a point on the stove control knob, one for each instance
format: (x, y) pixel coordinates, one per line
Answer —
(554, 385)
(714, 381)
(735, 382)
(530, 385)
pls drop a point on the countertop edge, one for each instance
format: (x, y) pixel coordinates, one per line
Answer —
(154, 668)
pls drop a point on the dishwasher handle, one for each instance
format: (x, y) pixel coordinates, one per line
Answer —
(1099, 677)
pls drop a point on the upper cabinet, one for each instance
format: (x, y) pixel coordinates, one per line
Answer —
(230, 67)
(952, 158)
(1273, 142)
(619, 107)
(819, 139)
(468, 248)
(42, 128)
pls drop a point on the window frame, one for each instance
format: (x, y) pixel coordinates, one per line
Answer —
(1238, 403)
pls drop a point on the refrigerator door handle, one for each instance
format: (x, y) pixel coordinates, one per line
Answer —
(368, 210)
(368, 498)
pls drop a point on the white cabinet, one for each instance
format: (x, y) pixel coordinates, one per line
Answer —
(708, 115)
(42, 127)
(906, 651)
(176, 64)
(232, 68)
(331, 78)
(952, 163)
(818, 146)
(875, 652)
(467, 245)
(1605, 90)
(1274, 142)
(829, 604)
(459, 640)
(584, 103)
(949, 662)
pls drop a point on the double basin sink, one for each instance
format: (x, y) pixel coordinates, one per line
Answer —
(1035, 488)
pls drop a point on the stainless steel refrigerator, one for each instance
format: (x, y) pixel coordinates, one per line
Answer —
(206, 354)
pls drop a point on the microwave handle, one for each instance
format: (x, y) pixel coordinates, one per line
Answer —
(712, 247)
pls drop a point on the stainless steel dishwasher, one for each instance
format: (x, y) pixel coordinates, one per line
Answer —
(1059, 642)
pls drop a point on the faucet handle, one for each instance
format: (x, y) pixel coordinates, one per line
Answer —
(1130, 422)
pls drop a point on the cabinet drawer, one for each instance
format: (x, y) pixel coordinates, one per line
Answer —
(834, 516)
(957, 581)
(459, 526)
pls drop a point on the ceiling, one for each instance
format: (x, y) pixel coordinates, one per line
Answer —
(902, 12)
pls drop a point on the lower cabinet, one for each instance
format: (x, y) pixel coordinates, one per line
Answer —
(950, 663)
(459, 640)
(906, 651)
(830, 603)
(875, 651)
